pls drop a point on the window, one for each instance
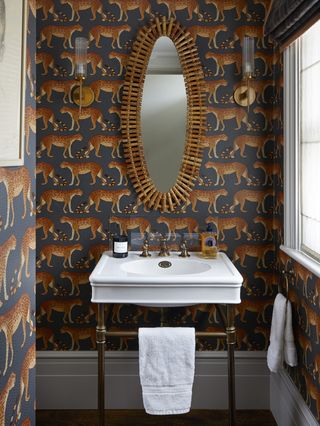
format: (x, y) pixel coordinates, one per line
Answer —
(310, 141)
(302, 144)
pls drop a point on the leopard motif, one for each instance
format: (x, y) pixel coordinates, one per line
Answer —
(111, 196)
(5, 249)
(209, 197)
(126, 5)
(94, 114)
(95, 7)
(65, 142)
(77, 224)
(16, 181)
(113, 32)
(174, 224)
(76, 279)
(192, 6)
(61, 196)
(77, 169)
(59, 31)
(60, 251)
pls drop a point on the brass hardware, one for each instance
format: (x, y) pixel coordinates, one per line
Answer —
(244, 95)
(145, 249)
(184, 249)
(82, 96)
(229, 334)
(164, 264)
(135, 333)
(101, 335)
(164, 251)
(287, 275)
(101, 340)
(231, 340)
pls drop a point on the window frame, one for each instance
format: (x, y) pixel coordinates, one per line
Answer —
(292, 152)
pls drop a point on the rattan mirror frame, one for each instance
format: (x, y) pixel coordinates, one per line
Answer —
(131, 115)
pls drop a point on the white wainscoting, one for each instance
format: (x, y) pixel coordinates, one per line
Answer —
(286, 404)
(68, 380)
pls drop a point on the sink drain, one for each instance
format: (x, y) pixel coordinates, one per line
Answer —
(164, 264)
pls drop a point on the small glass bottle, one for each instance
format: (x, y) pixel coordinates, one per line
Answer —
(209, 248)
(120, 246)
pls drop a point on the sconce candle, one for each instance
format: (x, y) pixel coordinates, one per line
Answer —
(81, 44)
(248, 57)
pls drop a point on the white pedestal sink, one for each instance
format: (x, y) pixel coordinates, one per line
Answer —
(155, 282)
(166, 281)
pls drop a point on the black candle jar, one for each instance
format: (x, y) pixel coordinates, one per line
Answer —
(120, 246)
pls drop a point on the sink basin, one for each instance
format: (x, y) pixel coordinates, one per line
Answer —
(165, 281)
(170, 267)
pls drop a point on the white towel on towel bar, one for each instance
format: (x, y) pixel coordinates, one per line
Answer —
(281, 337)
(290, 351)
(166, 364)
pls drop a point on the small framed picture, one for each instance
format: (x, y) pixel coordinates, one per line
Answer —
(13, 30)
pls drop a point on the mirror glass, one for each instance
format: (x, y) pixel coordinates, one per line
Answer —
(164, 115)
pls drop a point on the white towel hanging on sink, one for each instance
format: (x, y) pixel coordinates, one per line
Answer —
(166, 363)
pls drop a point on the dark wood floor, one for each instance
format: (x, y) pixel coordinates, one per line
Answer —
(140, 418)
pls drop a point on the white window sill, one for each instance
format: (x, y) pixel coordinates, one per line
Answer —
(306, 261)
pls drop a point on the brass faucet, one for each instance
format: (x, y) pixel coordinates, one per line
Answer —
(184, 249)
(145, 248)
(164, 251)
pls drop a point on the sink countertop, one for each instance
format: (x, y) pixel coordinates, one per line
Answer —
(188, 281)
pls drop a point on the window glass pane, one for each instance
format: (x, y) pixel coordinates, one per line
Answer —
(310, 46)
(310, 141)
(310, 110)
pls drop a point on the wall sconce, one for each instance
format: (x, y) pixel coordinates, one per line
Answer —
(81, 95)
(244, 95)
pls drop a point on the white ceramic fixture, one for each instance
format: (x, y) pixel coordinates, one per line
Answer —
(150, 282)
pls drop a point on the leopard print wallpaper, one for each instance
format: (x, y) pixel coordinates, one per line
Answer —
(304, 295)
(17, 268)
(82, 191)
(84, 194)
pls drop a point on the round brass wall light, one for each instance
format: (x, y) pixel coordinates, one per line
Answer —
(86, 93)
(244, 95)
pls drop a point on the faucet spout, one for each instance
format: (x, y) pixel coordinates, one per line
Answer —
(164, 251)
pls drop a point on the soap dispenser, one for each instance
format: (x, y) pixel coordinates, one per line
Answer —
(209, 248)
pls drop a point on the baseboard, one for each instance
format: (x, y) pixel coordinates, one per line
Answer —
(286, 404)
(68, 380)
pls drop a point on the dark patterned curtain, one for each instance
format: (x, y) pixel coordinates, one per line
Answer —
(287, 18)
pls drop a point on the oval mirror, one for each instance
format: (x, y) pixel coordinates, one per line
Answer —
(163, 115)
(152, 100)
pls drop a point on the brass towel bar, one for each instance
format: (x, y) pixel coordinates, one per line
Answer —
(135, 334)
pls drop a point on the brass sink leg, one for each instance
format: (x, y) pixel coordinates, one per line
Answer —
(231, 341)
(101, 341)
